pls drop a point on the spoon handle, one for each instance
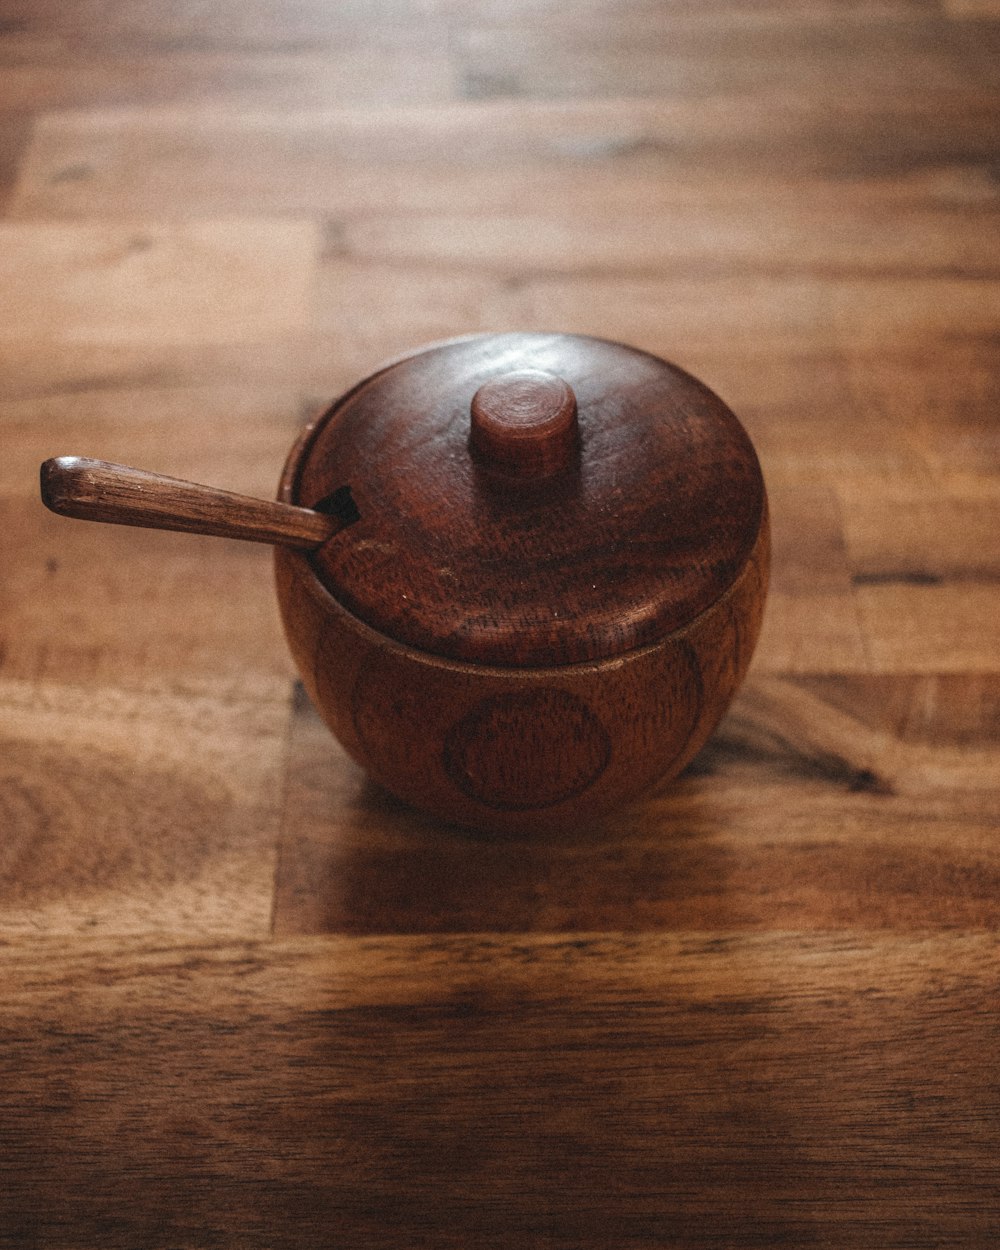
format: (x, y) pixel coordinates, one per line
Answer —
(96, 490)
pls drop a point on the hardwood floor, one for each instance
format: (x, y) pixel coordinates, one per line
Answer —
(248, 1000)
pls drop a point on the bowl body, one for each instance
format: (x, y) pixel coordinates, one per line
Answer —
(518, 750)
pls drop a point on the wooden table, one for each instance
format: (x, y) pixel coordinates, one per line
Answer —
(249, 1001)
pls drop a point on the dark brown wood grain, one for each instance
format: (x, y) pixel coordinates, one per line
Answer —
(519, 749)
(94, 490)
(646, 526)
(694, 1090)
(523, 424)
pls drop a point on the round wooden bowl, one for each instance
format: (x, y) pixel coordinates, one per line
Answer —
(555, 585)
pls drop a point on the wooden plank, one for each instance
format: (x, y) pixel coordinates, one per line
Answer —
(937, 408)
(811, 623)
(891, 312)
(59, 77)
(255, 26)
(709, 54)
(821, 802)
(84, 602)
(907, 544)
(284, 362)
(99, 305)
(314, 25)
(917, 628)
(122, 162)
(688, 318)
(679, 1089)
(219, 324)
(593, 16)
(898, 531)
(776, 233)
(748, 316)
(435, 161)
(373, 312)
(138, 812)
(811, 425)
(222, 281)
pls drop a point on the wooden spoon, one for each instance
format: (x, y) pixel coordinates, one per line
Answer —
(96, 490)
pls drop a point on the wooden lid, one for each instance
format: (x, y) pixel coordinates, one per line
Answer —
(533, 499)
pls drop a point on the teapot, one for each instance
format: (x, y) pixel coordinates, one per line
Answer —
(521, 575)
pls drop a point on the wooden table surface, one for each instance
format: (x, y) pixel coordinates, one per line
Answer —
(246, 1000)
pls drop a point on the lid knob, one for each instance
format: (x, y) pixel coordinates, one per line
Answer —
(524, 423)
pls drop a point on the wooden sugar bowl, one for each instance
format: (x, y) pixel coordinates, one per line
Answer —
(522, 575)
